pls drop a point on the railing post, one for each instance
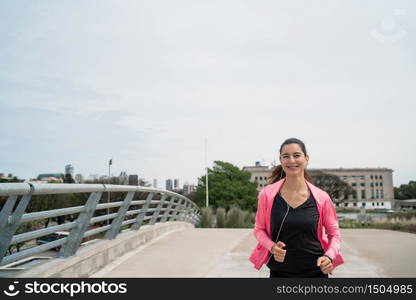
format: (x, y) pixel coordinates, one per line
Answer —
(156, 213)
(166, 214)
(117, 221)
(188, 213)
(183, 212)
(142, 214)
(6, 211)
(176, 212)
(191, 214)
(9, 222)
(76, 234)
(194, 215)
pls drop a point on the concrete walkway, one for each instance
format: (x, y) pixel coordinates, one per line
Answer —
(200, 252)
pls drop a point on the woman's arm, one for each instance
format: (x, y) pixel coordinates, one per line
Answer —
(330, 222)
(260, 226)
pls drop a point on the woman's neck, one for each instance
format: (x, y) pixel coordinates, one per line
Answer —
(295, 183)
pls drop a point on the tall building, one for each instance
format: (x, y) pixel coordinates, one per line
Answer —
(169, 185)
(123, 178)
(188, 188)
(176, 185)
(373, 186)
(185, 188)
(155, 183)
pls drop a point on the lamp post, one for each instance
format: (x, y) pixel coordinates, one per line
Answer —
(110, 162)
(206, 175)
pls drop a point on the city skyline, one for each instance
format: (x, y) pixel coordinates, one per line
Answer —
(145, 83)
(152, 182)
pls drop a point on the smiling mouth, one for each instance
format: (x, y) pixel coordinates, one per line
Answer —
(293, 167)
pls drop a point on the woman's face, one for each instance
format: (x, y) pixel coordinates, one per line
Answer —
(293, 159)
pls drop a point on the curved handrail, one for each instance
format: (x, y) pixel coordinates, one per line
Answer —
(171, 207)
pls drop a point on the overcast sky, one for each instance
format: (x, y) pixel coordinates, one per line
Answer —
(145, 82)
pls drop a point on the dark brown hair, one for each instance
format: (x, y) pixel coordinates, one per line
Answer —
(278, 172)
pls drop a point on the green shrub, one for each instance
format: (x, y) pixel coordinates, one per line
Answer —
(408, 215)
(206, 218)
(221, 217)
(248, 219)
(234, 217)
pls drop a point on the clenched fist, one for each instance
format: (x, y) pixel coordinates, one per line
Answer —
(278, 251)
(325, 264)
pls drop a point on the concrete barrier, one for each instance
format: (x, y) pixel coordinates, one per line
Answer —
(97, 254)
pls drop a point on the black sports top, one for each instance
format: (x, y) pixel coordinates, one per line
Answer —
(299, 233)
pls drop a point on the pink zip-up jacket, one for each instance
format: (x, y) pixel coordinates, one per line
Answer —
(328, 229)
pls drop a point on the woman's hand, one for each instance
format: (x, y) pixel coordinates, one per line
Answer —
(278, 251)
(325, 264)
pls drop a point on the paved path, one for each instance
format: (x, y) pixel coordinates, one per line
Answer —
(200, 252)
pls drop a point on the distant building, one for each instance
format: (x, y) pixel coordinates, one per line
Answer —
(188, 188)
(405, 204)
(133, 179)
(155, 183)
(169, 185)
(185, 189)
(176, 185)
(51, 176)
(123, 178)
(259, 174)
(373, 186)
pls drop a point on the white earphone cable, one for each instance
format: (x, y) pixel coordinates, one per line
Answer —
(281, 225)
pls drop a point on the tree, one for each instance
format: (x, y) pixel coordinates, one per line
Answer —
(337, 189)
(10, 179)
(228, 186)
(405, 191)
(143, 182)
(68, 178)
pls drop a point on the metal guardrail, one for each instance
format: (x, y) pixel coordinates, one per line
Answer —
(171, 207)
